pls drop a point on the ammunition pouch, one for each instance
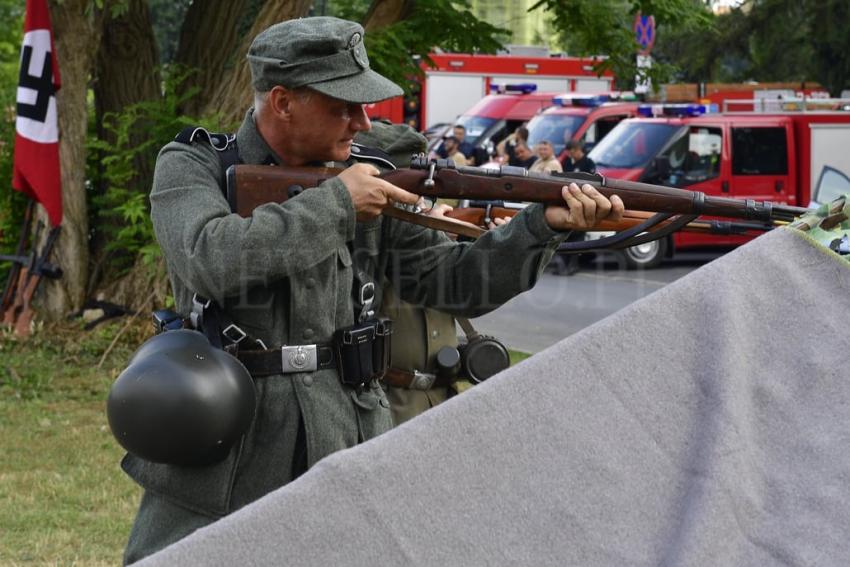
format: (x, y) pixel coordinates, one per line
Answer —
(363, 351)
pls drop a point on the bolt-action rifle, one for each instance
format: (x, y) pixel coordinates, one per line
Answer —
(20, 313)
(20, 260)
(249, 186)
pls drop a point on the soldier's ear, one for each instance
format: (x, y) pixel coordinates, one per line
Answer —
(280, 102)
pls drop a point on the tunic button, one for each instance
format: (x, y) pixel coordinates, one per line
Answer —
(435, 333)
(307, 334)
(307, 380)
(310, 283)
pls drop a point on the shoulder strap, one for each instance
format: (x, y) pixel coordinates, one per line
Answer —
(223, 144)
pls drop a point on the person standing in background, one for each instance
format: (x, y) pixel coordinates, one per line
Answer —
(453, 151)
(578, 161)
(546, 161)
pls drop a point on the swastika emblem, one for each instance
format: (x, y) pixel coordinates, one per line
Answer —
(41, 85)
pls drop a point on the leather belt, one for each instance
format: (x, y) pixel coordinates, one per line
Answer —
(414, 380)
(288, 359)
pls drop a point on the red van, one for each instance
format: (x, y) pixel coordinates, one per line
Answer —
(795, 158)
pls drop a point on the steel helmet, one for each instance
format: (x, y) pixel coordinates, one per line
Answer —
(181, 401)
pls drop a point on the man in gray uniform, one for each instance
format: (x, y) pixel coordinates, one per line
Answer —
(286, 276)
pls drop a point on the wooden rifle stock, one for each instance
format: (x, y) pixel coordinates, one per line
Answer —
(252, 185)
(13, 280)
(20, 313)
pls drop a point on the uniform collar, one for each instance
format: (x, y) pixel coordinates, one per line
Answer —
(253, 148)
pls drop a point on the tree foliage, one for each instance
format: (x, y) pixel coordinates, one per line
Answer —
(121, 212)
(12, 16)
(166, 16)
(605, 27)
(12, 203)
(395, 50)
(765, 41)
(401, 33)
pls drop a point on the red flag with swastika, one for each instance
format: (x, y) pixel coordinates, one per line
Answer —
(36, 167)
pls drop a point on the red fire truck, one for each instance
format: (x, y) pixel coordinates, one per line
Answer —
(797, 158)
(495, 116)
(458, 81)
(584, 118)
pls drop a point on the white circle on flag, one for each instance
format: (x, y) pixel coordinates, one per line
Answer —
(46, 132)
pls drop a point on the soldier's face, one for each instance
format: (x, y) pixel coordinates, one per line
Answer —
(325, 127)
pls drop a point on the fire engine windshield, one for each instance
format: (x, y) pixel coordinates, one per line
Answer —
(475, 126)
(631, 145)
(554, 128)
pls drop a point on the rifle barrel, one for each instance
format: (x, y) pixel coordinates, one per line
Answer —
(442, 178)
(13, 258)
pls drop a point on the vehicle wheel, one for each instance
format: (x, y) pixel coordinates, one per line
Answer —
(647, 255)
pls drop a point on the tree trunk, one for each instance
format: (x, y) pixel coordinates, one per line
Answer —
(127, 73)
(209, 39)
(144, 287)
(76, 29)
(229, 90)
(383, 13)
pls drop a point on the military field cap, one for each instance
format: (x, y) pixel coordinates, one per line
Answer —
(325, 54)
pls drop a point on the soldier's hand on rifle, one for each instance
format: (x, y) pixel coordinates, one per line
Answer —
(585, 206)
(371, 194)
(498, 221)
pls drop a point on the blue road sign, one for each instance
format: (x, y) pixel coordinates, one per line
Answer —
(644, 32)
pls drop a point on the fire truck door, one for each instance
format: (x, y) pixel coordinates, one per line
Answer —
(761, 163)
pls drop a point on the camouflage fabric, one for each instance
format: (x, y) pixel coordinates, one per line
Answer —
(829, 225)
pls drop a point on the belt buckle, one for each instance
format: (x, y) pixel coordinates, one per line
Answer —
(299, 358)
(422, 380)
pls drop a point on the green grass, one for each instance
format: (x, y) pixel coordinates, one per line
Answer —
(63, 497)
(517, 356)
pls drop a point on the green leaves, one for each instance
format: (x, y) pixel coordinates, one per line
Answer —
(12, 203)
(603, 29)
(768, 41)
(122, 211)
(443, 24)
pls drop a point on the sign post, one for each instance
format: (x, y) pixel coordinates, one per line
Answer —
(644, 28)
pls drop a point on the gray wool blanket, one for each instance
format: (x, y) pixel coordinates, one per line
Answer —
(706, 424)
